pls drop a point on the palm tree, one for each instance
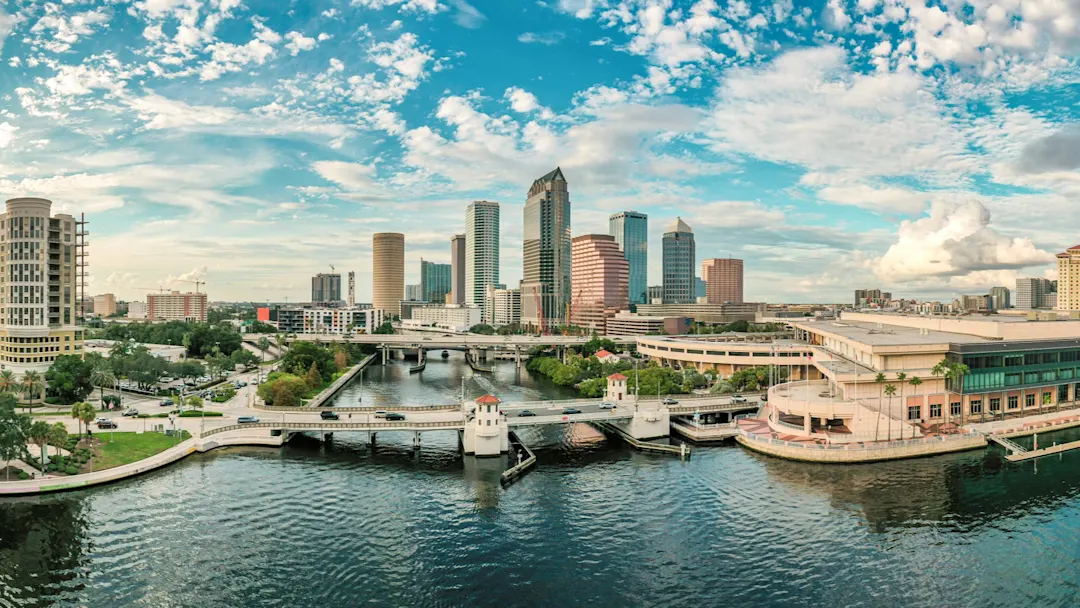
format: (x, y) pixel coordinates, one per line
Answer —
(86, 414)
(101, 375)
(916, 382)
(901, 377)
(7, 381)
(880, 379)
(39, 436)
(76, 413)
(957, 371)
(890, 390)
(942, 370)
(58, 436)
(31, 383)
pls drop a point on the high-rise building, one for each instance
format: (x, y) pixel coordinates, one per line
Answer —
(631, 232)
(176, 306)
(481, 250)
(978, 303)
(457, 268)
(326, 288)
(414, 292)
(105, 305)
(655, 294)
(723, 280)
(434, 281)
(678, 264)
(600, 275)
(1000, 298)
(388, 272)
(865, 297)
(502, 306)
(352, 289)
(136, 310)
(545, 282)
(699, 290)
(41, 284)
(1068, 288)
(1032, 292)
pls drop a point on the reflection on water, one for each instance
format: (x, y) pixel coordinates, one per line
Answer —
(595, 523)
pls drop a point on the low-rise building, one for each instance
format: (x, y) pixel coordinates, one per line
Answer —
(451, 317)
(136, 310)
(105, 305)
(630, 324)
(176, 306)
(705, 313)
(329, 320)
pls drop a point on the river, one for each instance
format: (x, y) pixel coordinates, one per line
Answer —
(595, 524)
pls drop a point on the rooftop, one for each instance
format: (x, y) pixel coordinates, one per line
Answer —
(886, 329)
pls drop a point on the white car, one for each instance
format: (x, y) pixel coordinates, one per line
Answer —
(607, 405)
(380, 413)
(102, 419)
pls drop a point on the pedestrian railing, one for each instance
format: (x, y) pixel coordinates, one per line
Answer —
(337, 426)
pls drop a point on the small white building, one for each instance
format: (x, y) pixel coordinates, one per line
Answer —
(136, 310)
(451, 317)
(605, 356)
(616, 388)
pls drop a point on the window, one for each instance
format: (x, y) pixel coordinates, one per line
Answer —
(914, 412)
(1063, 393)
(954, 408)
(1047, 397)
(935, 410)
(975, 406)
(995, 405)
(1014, 402)
(1029, 400)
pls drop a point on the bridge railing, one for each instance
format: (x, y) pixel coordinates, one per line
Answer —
(338, 426)
(884, 445)
(366, 409)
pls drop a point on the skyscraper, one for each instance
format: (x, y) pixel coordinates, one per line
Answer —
(600, 275)
(1068, 287)
(388, 272)
(434, 281)
(1032, 292)
(631, 232)
(326, 288)
(678, 264)
(457, 270)
(1001, 298)
(546, 251)
(481, 250)
(723, 280)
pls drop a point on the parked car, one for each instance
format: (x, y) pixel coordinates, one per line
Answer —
(394, 416)
(669, 401)
(607, 405)
(738, 399)
(247, 419)
(525, 413)
(380, 413)
(571, 410)
(105, 423)
(131, 412)
(327, 415)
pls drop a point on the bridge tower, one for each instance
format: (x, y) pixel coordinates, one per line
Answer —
(486, 434)
(616, 388)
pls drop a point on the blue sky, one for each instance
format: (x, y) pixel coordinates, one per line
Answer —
(930, 149)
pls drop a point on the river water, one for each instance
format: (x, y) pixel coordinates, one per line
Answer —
(595, 524)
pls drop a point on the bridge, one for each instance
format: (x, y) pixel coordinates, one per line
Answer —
(456, 341)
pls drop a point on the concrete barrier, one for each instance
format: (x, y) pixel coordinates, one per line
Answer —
(848, 453)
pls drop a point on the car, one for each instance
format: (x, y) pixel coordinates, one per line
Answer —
(327, 415)
(380, 413)
(105, 424)
(101, 419)
(241, 384)
(131, 412)
(738, 399)
(166, 402)
(571, 410)
(247, 419)
(669, 401)
(525, 413)
(607, 405)
(394, 416)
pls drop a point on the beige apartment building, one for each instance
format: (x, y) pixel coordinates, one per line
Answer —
(723, 280)
(105, 305)
(176, 306)
(1068, 283)
(388, 272)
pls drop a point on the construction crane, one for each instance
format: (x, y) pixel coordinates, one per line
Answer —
(158, 289)
(197, 283)
(332, 270)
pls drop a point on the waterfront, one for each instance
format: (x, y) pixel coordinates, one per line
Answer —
(594, 524)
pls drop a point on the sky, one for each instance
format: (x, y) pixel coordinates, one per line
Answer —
(930, 149)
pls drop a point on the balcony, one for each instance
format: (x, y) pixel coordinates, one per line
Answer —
(814, 398)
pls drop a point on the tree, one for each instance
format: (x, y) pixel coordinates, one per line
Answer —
(264, 345)
(890, 390)
(916, 382)
(957, 371)
(39, 436)
(901, 377)
(386, 328)
(880, 379)
(341, 359)
(303, 354)
(8, 382)
(313, 378)
(244, 357)
(101, 376)
(69, 378)
(483, 329)
(31, 383)
(58, 436)
(83, 412)
(194, 402)
(285, 390)
(941, 368)
(14, 430)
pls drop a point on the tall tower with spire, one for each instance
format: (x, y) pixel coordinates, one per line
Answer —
(545, 283)
(678, 263)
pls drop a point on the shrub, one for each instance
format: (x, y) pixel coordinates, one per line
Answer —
(23, 475)
(191, 414)
(71, 471)
(57, 401)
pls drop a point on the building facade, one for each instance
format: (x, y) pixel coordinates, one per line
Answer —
(545, 283)
(723, 280)
(655, 294)
(414, 292)
(707, 313)
(435, 281)
(631, 324)
(481, 250)
(176, 306)
(1068, 283)
(329, 320)
(457, 268)
(388, 272)
(600, 275)
(41, 284)
(868, 297)
(678, 264)
(105, 305)
(631, 232)
(1033, 292)
(136, 310)
(451, 317)
(326, 288)
(1000, 298)
(503, 306)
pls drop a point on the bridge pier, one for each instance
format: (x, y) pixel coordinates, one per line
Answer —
(517, 356)
(327, 437)
(416, 441)
(382, 351)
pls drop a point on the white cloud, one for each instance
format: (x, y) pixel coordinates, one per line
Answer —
(58, 32)
(429, 7)
(7, 25)
(545, 38)
(525, 102)
(298, 42)
(466, 15)
(7, 134)
(403, 64)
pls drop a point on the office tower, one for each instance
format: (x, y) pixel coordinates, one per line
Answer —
(388, 272)
(176, 306)
(723, 280)
(105, 305)
(1001, 298)
(1033, 292)
(699, 289)
(457, 270)
(352, 289)
(434, 281)
(481, 250)
(545, 283)
(600, 274)
(326, 288)
(414, 292)
(678, 264)
(41, 284)
(631, 232)
(654, 293)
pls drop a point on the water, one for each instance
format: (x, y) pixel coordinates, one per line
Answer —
(595, 524)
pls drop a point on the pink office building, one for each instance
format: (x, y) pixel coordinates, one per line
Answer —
(723, 280)
(600, 277)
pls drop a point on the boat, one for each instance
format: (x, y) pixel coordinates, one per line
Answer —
(445, 354)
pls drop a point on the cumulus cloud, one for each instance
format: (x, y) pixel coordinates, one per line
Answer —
(955, 239)
(7, 134)
(298, 42)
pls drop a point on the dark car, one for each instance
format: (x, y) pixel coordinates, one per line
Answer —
(329, 415)
(571, 410)
(395, 416)
(525, 413)
(106, 424)
(165, 402)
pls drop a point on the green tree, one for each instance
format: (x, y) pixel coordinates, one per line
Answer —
(596, 344)
(39, 436)
(956, 374)
(194, 402)
(8, 382)
(483, 329)
(58, 436)
(244, 357)
(101, 376)
(916, 382)
(941, 369)
(901, 377)
(284, 390)
(31, 384)
(880, 379)
(890, 390)
(386, 328)
(313, 378)
(14, 430)
(83, 412)
(303, 354)
(69, 378)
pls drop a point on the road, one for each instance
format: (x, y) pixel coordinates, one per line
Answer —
(458, 340)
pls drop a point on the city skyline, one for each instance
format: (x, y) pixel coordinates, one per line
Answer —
(238, 146)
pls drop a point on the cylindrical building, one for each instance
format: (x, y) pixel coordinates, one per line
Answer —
(388, 272)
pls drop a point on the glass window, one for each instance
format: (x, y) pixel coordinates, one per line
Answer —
(914, 412)
(995, 405)
(935, 410)
(1063, 392)
(954, 408)
(1029, 400)
(976, 406)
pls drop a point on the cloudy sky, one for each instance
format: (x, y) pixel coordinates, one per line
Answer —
(927, 148)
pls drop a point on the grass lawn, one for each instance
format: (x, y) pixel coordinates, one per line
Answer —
(122, 448)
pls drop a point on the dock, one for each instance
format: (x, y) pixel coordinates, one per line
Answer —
(415, 369)
(701, 433)
(1018, 453)
(475, 366)
(645, 446)
(515, 472)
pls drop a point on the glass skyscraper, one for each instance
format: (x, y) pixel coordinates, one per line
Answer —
(679, 251)
(546, 251)
(434, 281)
(631, 232)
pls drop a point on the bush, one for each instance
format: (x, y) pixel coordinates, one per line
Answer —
(57, 401)
(23, 475)
(191, 414)
(143, 416)
(71, 471)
